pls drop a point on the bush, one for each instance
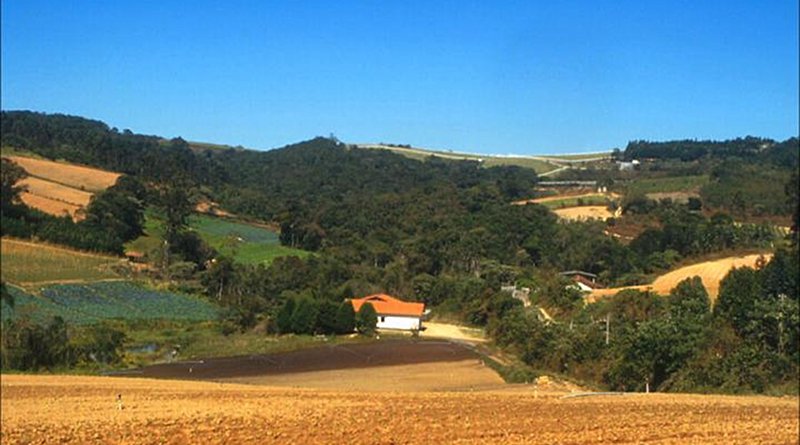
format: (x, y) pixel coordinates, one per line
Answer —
(304, 317)
(326, 317)
(366, 319)
(284, 318)
(345, 318)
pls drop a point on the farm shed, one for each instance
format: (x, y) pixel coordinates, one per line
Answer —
(393, 313)
(584, 281)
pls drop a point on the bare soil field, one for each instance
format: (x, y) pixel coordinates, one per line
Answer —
(584, 213)
(711, 272)
(326, 358)
(75, 176)
(76, 409)
(452, 331)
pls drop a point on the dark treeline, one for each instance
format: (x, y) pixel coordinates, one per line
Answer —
(750, 148)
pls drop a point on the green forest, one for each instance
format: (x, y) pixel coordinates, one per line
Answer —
(443, 232)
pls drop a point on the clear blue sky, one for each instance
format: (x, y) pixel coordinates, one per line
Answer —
(478, 76)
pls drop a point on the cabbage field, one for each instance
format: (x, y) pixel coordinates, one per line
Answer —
(93, 302)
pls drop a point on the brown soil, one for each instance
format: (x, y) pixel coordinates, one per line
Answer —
(84, 410)
(584, 213)
(334, 357)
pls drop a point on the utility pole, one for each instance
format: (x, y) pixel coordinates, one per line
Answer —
(608, 325)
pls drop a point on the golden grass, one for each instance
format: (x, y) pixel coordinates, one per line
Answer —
(56, 191)
(76, 176)
(584, 213)
(76, 409)
(710, 272)
(51, 206)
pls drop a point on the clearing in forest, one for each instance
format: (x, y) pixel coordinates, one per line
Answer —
(711, 272)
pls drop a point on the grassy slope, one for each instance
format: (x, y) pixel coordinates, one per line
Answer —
(489, 161)
(257, 245)
(25, 262)
(668, 184)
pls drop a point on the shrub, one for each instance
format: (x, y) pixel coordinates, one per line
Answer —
(345, 318)
(304, 317)
(366, 319)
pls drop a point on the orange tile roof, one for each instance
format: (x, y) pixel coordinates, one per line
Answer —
(388, 305)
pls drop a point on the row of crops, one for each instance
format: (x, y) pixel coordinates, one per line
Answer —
(93, 302)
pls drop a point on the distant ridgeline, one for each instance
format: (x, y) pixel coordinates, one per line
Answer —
(749, 148)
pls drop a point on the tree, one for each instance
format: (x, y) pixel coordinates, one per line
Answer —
(366, 319)
(284, 317)
(326, 317)
(304, 317)
(738, 293)
(10, 175)
(345, 318)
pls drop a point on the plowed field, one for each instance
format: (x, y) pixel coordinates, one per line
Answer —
(75, 176)
(74, 409)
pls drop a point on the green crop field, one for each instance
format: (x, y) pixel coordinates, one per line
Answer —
(245, 243)
(667, 184)
(25, 263)
(119, 300)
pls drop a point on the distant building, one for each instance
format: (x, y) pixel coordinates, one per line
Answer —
(393, 313)
(628, 166)
(583, 281)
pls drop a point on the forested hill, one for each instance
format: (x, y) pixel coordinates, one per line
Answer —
(750, 148)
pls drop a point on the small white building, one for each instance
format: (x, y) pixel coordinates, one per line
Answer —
(392, 312)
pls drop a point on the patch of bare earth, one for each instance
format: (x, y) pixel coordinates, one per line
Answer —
(84, 410)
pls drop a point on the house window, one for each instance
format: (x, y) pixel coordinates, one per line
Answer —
(383, 319)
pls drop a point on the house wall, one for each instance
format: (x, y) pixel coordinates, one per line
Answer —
(398, 322)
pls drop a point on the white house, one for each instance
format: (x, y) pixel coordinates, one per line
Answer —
(393, 313)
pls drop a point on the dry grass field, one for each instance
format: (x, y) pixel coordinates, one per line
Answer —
(56, 191)
(59, 188)
(51, 206)
(75, 176)
(711, 272)
(84, 410)
(584, 213)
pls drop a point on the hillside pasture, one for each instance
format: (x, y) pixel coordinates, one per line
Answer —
(710, 272)
(27, 263)
(51, 206)
(71, 175)
(59, 188)
(669, 184)
(56, 191)
(81, 409)
(244, 242)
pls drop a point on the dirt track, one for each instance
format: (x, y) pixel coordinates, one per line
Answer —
(83, 410)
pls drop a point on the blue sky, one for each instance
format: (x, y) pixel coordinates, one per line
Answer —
(521, 77)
